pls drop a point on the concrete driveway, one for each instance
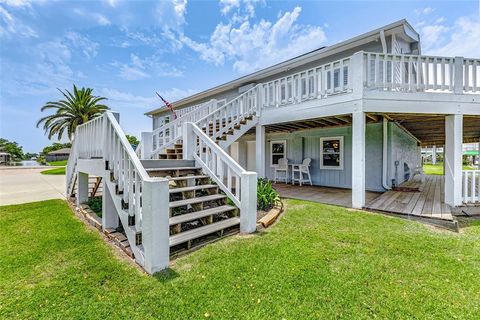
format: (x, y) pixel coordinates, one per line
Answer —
(20, 185)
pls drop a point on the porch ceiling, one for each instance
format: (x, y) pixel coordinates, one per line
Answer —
(430, 129)
(325, 122)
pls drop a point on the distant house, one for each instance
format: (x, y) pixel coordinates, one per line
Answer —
(5, 158)
(58, 155)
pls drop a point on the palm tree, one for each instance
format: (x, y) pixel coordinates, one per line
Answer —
(77, 108)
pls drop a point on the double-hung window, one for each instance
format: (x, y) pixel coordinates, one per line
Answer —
(278, 150)
(331, 153)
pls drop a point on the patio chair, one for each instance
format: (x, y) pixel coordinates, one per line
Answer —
(302, 170)
(281, 168)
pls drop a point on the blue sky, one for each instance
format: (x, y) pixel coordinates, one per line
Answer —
(127, 50)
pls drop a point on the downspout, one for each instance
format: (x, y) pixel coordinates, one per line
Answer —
(385, 154)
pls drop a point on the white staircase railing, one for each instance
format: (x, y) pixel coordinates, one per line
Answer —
(140, 201)
(471, 186)
(70, 170)
(170, 133)
(225, 118)
(237, 183)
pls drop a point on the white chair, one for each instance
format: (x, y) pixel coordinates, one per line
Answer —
(302, 170)
(282, 168)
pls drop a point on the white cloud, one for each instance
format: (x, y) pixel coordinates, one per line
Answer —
(128, 100)
(94, 16)
(11, 26)
(432, 34)
(78, 41)
(112, 3)
(424, 11)
(251, 47)
(462, 40)
(171, 14)
(228, 5)
(152, 66)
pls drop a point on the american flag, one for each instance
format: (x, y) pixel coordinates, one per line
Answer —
(169, 105)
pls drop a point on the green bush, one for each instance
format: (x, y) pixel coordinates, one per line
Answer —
(267, 196)
(95, 203)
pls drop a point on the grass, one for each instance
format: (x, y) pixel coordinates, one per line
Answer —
(437, 169)
(318, 262)
(58, 163)
(55, 171)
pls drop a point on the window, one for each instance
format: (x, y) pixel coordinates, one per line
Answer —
(278, 150)
(331, 153)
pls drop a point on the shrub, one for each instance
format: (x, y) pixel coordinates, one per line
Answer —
(95, 203)
(267, 196)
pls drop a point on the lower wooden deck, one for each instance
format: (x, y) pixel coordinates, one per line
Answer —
(427, 202)
(334, 196)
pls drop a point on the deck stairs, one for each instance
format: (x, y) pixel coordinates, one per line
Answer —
(201, 198)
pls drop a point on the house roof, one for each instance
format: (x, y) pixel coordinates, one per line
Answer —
(60, 151)
(322, 52)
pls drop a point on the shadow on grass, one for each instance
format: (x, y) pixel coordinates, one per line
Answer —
(166, 275)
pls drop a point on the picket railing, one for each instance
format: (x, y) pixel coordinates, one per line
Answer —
(237, 183)
(170, 133)
(139, 197)
(226, 117)
(413, 73)
(471, 186)
(315, 83)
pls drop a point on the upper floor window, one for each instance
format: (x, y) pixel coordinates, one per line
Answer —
(331, 153)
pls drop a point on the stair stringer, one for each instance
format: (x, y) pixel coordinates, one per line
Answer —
(130, 231)
(238, 133)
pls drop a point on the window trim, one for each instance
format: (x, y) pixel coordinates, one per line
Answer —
(341, 153)
(271, 153)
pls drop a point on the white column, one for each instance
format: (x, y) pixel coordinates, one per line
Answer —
(458, 75)
(155, 226)
(453, 159)
(109, 212)
(357, 74)
(248, 205)
(260, 150)
(147, 145)
(82, 188)
(358, 160)
(434, 155)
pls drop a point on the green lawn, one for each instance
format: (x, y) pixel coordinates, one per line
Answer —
(58, 163)
(437, 169)
(60, 170)
(318, 262)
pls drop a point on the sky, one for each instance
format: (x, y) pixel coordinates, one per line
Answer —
(127, 50)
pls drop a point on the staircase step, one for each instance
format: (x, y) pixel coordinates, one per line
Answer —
(172, 169)
(200, 187)
(187, 178)
(203, 231)
(185, 202)
(200, 214)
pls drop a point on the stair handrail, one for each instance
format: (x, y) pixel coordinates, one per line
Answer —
(232, 113)
(70, 169)
(145, 199)
(237, 183)
(170, 133)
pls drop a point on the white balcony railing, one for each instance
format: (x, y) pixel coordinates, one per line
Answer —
(471, 186)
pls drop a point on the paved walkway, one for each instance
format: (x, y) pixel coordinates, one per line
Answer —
(20, 185)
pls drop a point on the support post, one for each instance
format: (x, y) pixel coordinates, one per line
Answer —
(248, 207)
(260, 150)
(458, 75)
(453, 159)
(434, 155)
(358, 74)
(147, 145)
(189, 141)
(155, 226)
(82, 188)
(109, 212)
(358, 160)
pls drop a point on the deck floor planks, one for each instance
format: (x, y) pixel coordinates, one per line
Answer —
(428, 202)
